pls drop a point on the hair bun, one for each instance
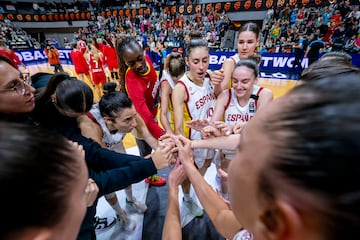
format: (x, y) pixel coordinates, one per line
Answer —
(109, 87)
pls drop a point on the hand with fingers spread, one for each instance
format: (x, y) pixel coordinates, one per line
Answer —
(91, 192)
(197, 124)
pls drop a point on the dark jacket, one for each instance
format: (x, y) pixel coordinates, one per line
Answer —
(111, 171)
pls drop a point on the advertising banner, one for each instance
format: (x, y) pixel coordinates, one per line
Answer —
(273, 65)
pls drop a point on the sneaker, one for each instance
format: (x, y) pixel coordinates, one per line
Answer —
(135, 206)
(194, 209)
(126, 223)
(155, 180)
(102, 224)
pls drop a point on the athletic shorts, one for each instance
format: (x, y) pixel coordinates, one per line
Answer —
(200, 155)
(82, 70)
(99, 77)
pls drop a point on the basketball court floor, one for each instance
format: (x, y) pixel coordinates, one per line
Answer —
(149, 225)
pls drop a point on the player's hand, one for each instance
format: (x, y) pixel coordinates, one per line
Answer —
(184, 150)
(163, 156)
(197, 124)
(91, 192)
(177, 175)
(210, 131)
(217, 77)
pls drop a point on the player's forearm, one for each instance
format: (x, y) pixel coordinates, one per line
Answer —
(223, 142)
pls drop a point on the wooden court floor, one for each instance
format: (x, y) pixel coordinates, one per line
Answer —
(278, 86)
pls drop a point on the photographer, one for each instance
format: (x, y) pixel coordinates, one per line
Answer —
(53, 57)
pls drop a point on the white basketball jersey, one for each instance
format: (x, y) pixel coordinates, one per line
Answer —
(199, 105)
(235, 58)
(167, 77)
(235, 113)
(200, 101)
(111, 141)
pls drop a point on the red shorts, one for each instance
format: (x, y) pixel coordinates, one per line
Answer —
(98, 77)
(82, 71)
(82, 68)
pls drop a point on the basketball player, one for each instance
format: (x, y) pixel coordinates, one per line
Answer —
(174, 69)
(248, 40)
(142, 86)
(193, 98)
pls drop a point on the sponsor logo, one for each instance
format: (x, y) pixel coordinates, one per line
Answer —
(29, 56)
(281, 62)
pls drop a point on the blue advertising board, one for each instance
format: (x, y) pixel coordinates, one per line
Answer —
(35, 56)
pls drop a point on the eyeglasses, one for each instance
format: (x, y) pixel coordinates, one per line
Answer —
(19, 85)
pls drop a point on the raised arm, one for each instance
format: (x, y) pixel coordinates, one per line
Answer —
(172, 226)
(228, 67)
(220, 214)
(221, 102)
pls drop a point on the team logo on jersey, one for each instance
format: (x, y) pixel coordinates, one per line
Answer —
(246, 236)
(252, 107)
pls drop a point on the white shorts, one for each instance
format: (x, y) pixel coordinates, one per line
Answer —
(200, 155)
(229, 154)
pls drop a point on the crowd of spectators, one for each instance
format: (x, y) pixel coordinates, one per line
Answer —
(158, 28)
(15, 37)
(336, 24)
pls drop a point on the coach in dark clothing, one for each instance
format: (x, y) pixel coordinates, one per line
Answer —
(313, 50)
(57, 108)
(299, 50)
